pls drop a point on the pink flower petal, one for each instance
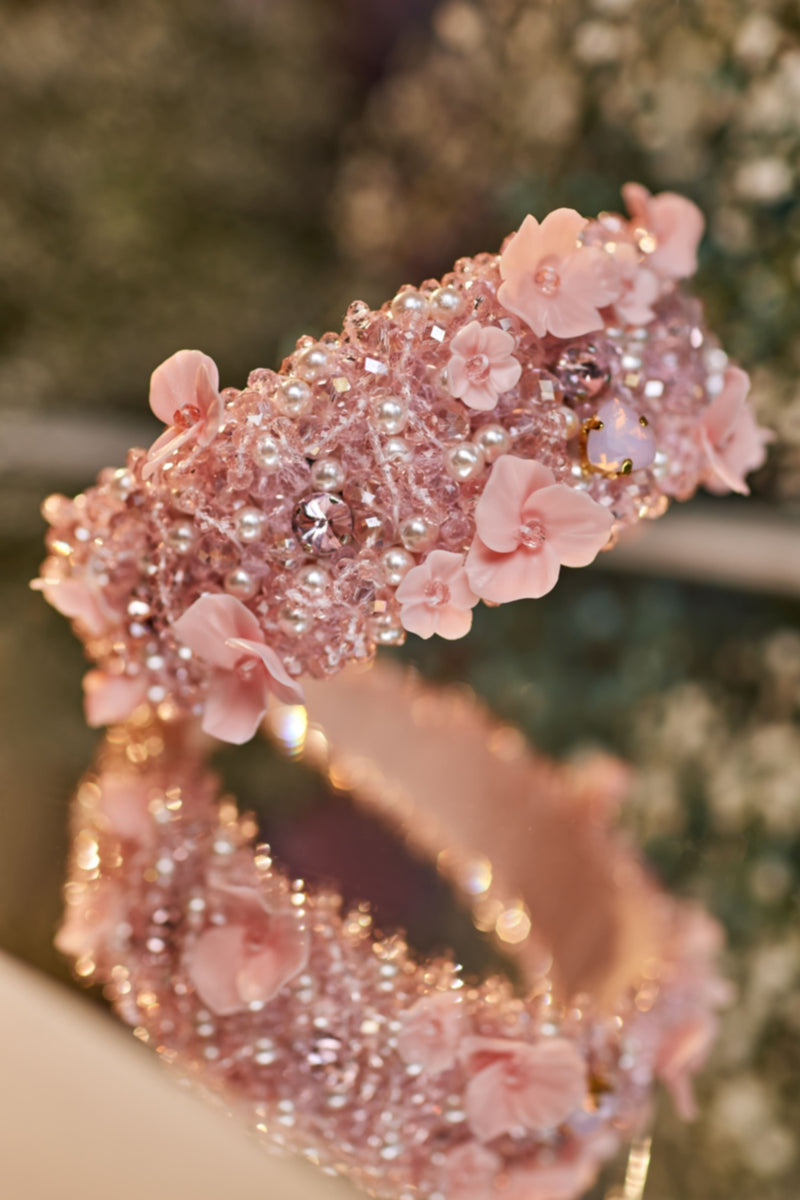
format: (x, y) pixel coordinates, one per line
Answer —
(577, 526)
(165, 446)
(497, 513)
(281, 684)
(264, 974)
(683, 1052)
(234, 706)
(110, 699)
(505, 375)
(732, 440)
(213, 963)
(74, 598)
(431, 1032)
(457, 380)
(211, 622)
(676, 223)
(469, 1172)
(520, 575)
(468, 341)
(184, 378)
(534, 1087)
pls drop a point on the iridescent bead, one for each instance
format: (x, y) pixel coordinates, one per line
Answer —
(250, 524)
(389, 413)
(313, 364)
(294, 397)
(619, 440)
(240, 583)
(464, 461)
(493, 440)
(267, 452)
(418, 534)
(314, 579)
(322, 523)
(396, 564)
(180, 537)
(328, 474)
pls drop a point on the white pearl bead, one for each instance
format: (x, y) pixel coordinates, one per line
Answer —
(408, 306)
(493, 440)
(314, 579)
(293, 620)
(180, 537)
(240, 583)
(445, 302)
(267, 452)
(397, 449)
(389, 414)
(328, 474)
(396, 563)
(571, 421)
(464, 461)
(387, 631)
(418, 533)
(294, 397)
(250, 524)
(313, 364)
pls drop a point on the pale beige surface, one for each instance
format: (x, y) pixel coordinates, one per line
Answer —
(87, 1114)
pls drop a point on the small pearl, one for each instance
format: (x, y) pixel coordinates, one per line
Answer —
(396, 563)
(571, 421)
(464, 461)
(418, 534)
(408, 306)
(445, 302)
(294, 621)
(397, 449)
(493, 440)
(313, 364)
(389, 414)
(294, 397)
(661, 465)
(328, 475)
(314, 579)
(240, 583)
(387, 631)
(250, 524)
(180, 537)
(267, 452)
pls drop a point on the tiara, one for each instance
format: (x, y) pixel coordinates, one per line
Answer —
(462, 443)
(329, 1037)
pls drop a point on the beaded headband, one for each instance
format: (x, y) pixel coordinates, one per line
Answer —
(460, 444)
(330, 1038)
(463, 443)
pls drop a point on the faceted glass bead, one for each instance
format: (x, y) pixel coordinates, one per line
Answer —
(323, 524)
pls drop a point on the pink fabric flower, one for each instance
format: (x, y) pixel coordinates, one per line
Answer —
(733, 442)
(110, 699)
(528, 526)
(74, 598)
(184, 394)
(435, 597)
(521, 1086)
(552, 281)
(482, 366)
(246, 961)
(469, 1172)
(225, 634)
(432, 1032)
(639, 287)
(683, 1052)
(565, 1177)
(676, 224)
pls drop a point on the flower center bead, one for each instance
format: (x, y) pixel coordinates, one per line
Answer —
(477, 368)
(246, 667)
(532, 535)
(187, 416)
(547, 280)
(437, 593)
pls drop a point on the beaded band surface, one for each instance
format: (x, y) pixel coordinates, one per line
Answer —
(331, 1038)
(460, 444)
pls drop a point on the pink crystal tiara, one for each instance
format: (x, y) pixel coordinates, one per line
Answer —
(329, 1037)
(462, 443)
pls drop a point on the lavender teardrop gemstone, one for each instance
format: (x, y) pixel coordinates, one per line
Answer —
(625, 438)
(323, 524)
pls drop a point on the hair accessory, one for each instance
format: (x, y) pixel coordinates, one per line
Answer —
(331, 1038)
(463, 443)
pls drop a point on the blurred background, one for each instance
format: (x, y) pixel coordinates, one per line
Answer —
(229, 174)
